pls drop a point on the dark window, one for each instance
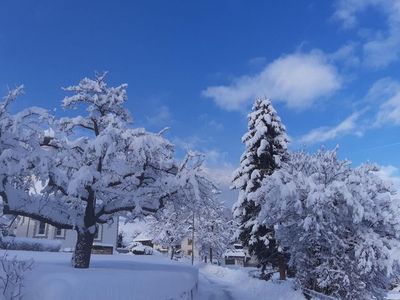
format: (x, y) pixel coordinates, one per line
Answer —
(59, 232)
(99, 233)
(190, 241)
(41, 228)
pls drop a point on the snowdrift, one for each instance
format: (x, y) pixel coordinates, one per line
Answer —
(117, 277)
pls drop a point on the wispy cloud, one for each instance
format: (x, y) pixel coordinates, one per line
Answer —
(380, 47)
(298, 80)
(385, 94)
(161, 117)
(323, 134)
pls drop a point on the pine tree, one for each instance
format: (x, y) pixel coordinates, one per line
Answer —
(266, 147)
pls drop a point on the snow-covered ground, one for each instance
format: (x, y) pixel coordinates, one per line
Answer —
(223, 283)
(146, 277)
(110, 277)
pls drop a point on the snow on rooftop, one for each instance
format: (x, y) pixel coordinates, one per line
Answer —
(235, 253)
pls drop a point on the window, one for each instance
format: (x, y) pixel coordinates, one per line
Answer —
(99, 234)
(40, 229)
(59, 233)
(189, 252)
(190, 241)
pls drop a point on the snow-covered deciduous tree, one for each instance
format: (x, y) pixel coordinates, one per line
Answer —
(20, 149)
(12, 273)
(214, 231)
(266, 148)
(170, 225)
(198, 194)
(194, 211)
(340, 224)
(95, 167)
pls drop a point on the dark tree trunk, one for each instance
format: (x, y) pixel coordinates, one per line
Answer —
(282, 267)
(211, 255)
(172, 252)
(83, 249)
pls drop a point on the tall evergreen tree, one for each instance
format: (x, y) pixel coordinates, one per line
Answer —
(266, 147)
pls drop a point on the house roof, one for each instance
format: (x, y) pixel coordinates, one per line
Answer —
(235, 253)
(142, 237)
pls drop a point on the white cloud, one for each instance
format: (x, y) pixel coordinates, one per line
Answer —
(188, 143)
(220, 172)
(389, 112)
(346, 55)
(390, 173)
(322, 134)
(385, 93)
(381, 47)
(162, 117)
(298, 80)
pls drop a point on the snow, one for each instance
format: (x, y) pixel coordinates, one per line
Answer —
(116, 277)
(24, 243)
(223, 283)
(142, 237)
(235, 253)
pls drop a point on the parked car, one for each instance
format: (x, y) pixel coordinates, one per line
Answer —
(140, 249)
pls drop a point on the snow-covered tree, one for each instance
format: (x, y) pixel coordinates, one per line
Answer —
(266, 148)
(339, 224)
(20, 136)
(12, 273)
(198, 194)
(192, 211)
(214, 231)
(170, 225)
(95, 167)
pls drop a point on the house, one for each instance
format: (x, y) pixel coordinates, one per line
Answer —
(105, 241)
(236, 256)
(185, 248)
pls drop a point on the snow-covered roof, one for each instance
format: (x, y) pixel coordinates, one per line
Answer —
(235, 253)
(102, 244)
(142, 237)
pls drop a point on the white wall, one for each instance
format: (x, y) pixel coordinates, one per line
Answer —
(28, 228)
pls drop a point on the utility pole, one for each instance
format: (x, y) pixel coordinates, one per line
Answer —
(193, 238)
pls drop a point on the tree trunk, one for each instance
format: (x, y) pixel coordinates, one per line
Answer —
(282, 267)
(211, 255)
(172, 252)
(83, 249)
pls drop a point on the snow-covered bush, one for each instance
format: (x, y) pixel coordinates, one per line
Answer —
(29, 244)
(340, 224)
(12, 276)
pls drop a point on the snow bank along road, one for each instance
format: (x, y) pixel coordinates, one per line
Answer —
(222, 283)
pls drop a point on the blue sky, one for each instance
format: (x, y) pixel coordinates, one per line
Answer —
(331, 68)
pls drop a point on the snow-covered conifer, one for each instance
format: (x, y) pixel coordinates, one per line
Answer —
(265, 149)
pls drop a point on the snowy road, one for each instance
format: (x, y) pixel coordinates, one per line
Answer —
(211, 289)
(223, 283)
